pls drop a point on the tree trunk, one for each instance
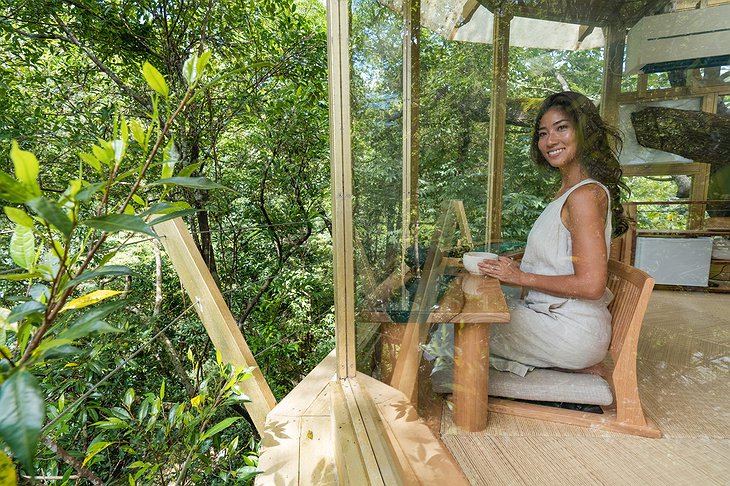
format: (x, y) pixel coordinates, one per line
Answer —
(696, 135)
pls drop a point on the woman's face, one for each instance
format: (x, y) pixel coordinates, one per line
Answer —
(557, 139)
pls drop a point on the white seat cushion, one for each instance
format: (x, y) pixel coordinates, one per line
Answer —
(551, 386)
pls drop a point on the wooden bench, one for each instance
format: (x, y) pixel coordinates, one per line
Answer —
(632, 289)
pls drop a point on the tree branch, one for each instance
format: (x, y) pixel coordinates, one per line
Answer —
(102, 67)
(83, 471)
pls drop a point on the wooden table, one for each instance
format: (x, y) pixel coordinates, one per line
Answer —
(471, 303)
(481, 303)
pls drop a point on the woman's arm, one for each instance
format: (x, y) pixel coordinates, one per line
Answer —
(584, 215)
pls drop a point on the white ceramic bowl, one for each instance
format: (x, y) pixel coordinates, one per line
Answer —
(472, 258)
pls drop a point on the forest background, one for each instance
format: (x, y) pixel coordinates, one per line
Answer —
(116, 112)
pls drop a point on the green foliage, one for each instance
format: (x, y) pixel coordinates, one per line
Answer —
(73, 95)
(72, 250)
(21, 415)
(163, 442)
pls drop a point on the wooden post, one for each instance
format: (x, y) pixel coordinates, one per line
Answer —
(497, 123)
(338, 60)
(411, 103)
(215, 315)
(613, 62)
(700, 189)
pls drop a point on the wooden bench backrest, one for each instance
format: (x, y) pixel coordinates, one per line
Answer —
(631, 288)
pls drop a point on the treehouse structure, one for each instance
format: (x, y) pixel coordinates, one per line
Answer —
(403, 397)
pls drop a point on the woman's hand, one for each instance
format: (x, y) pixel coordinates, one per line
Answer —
(504, 269)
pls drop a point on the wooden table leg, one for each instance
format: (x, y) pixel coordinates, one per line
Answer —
(471, 376)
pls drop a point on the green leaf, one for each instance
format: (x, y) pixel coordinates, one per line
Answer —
(129, 397)
(190, 70)
(91, 160)
(188, 170)
(124, 131)
(155, 79)
(165, 208)
(83, 330)
(8, 477)
(49, 344)
(91, 321)
(114, 223)
(94, 449)
(192, 182)
(88, 191)
(98, 313)
(138, 133)
(16, 277)
(246, 473)
(52, 213)
(26, 167)
(18, 216)
(12, 190)
(21, 415)
(222, 425)
(103, 271)
(25, 309)
(176, 214)
(203, 61)
(22, 247)
(103, 154)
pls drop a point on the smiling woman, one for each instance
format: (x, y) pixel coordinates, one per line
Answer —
(563, 321)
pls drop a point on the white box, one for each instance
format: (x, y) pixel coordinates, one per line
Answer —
(675, 261)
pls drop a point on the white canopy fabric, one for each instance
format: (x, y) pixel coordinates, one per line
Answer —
(447, 18)
(524, 32)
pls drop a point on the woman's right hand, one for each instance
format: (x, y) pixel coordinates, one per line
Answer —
(504, 269)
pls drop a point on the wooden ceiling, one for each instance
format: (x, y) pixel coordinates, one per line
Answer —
(599, 13)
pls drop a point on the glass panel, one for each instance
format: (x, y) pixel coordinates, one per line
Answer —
(408, 297)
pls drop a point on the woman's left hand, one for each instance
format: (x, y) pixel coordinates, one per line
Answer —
(504, 269)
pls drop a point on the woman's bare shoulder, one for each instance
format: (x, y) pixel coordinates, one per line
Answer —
(587, 194)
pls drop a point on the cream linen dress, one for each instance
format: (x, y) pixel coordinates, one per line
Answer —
(545, 330)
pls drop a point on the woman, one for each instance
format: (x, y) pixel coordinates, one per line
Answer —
(563, 321)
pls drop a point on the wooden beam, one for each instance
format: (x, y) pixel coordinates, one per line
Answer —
(674, 93)
(613, 60)
(215, 315)
(338, 57)
(411, 103)
(497, 124)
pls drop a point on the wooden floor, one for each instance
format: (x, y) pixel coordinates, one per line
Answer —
(684, 373)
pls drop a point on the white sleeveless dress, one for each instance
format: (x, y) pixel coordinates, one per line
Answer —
(545, 330)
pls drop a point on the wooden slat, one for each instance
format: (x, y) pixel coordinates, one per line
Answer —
(429, 460)
(279, 439)
(316, 454)
(215, 315)
(356, 463)
(386, 458)
(673, 168)
(674, 93)
(606, 421)
(301, 398)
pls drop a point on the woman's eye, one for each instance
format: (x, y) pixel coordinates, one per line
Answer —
(562, 128)
(541, 134)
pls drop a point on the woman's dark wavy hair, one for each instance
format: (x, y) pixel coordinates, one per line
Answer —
(598, 147)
